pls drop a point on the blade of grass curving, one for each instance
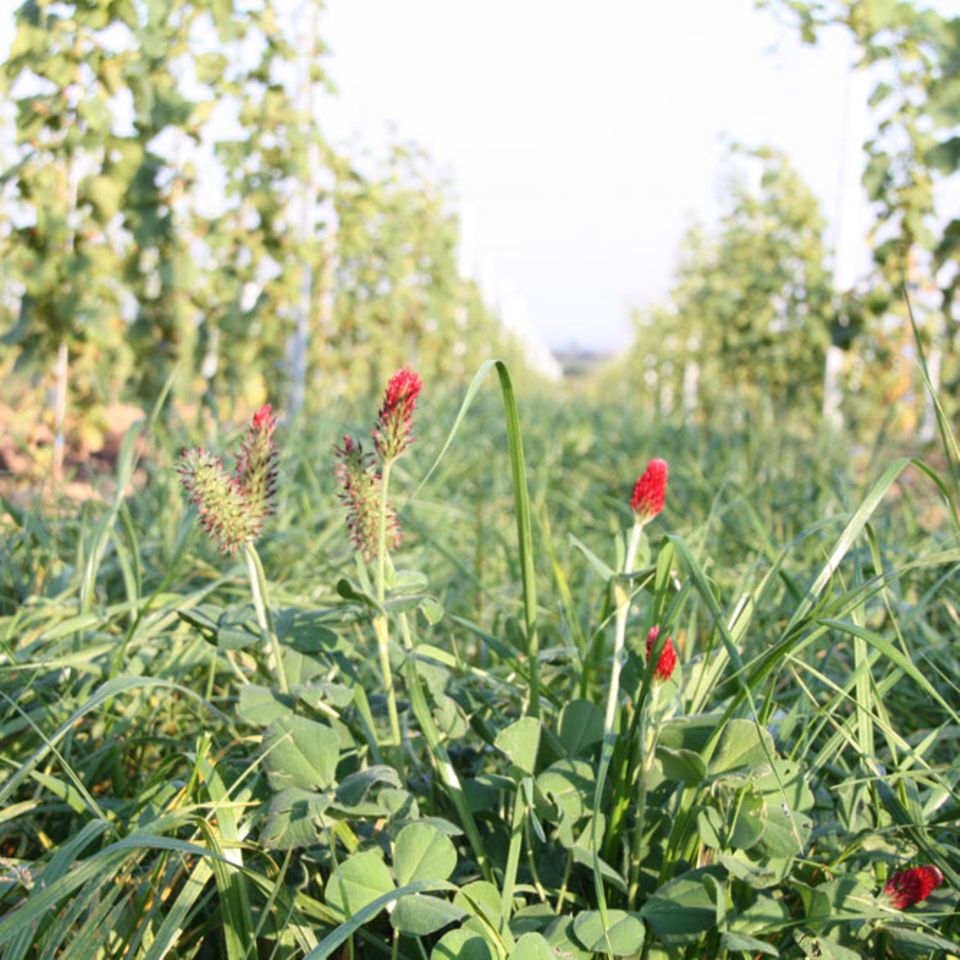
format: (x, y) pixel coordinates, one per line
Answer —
(110, 689)
(125, 563)
(349, 927)
(231, 883)
(146, 607)
(844, 726)
(292, 919)
(805, 634)
(880, 779)
(824, 714)
(237, 920)
(133, 541)
(443, 764)
(947, 439)
(863, 684)
(57, 866)
(126, 464)
(99, 911)
(506, 653)
(521, 498)
(699, 578)
(855, 527)
(177, 916)
(895, 656)
(97, 870)
(567, 607)
(79, 787)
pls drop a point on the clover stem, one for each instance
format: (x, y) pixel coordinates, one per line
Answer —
(622, 599)
(258, 589)
(380, 625)
(649, 730)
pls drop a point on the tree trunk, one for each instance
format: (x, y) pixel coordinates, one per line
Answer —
(62, 374)
(62, 367)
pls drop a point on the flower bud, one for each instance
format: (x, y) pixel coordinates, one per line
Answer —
(394, 431)
(907, 887)
(234, 508)
(224, 510)
(650, 491)
(668, 656)
(256, 470)
(360, 491)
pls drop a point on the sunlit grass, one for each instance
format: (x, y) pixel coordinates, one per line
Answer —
(809, 595)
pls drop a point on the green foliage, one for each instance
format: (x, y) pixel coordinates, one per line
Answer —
(918, 48)
(398, 297)
(912, 55)
(751, 307)
(116, 242)
(415, 758)
(173, 798)
(60, 251)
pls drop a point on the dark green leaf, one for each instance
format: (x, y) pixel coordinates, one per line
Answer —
(420, 915)
(520, 742)
(624, 932)
(300, 753)
(295, 818)
(423, 853)
(356, 882)
(683, 908)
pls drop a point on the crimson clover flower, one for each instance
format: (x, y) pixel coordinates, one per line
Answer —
(224, 511)
(256, 470)
(233, 508)
(907, 887)
(668, 656)
(394, 430)
(360, 491)
(650, 491)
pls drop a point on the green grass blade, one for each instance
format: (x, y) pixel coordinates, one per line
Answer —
(521, 497)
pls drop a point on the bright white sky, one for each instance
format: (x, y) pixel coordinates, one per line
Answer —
(583, 138)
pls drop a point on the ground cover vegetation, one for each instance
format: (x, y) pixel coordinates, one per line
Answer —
(548, 720)
(357, 643)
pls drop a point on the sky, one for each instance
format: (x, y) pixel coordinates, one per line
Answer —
(583, 139)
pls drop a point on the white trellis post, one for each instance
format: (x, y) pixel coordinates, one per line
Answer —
(848, 221)
(299, 342)
(691, 378)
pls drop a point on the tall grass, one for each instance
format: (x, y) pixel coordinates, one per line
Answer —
(756, 804)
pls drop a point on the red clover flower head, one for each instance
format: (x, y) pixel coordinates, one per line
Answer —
(668, 656)
(360, 492)
(264, 418)
(907, 887)
(394, 430)
(650, 491)
(224, 510)
(233, 508)
(256, 470)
